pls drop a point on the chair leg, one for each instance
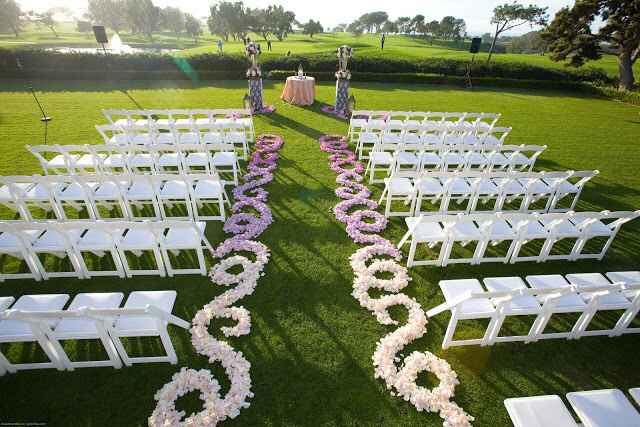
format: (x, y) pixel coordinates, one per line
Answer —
(6, 366)
(168, 347)
(451, 329)
(121, 351)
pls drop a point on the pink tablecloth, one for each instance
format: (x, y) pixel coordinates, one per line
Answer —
(299, 91)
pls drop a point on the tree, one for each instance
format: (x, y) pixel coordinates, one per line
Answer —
(530, 42)
(340, 28)
(378, 19)
(417, 24)
(280, 21)
(356, 27)
(570, 37)
(142, 17)
(192, 26)
(10, 17)
(83, 27)
(404, 24)
(486, 38)
(110, 13)
(390, 27)
(173, 20)
(447, 27)
(432, 29)
(46, 20)
(229, 19)
(459, 29)
(509, 16)
(312, 27)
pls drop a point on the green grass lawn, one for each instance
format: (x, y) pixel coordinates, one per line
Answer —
(311, 343)
(396, 46)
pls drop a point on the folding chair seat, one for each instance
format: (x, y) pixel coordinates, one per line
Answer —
(528, 231)
(138, 238)
(430, 233)
(558, 229)
(107, 191)
(163, 132)
(11, 195)
(472, 309)
(536, 189)
(411, 134)
(224, 159)
(539, 411)
(367, 139)
(186, 134)
(381, 155)
(495, 135)
(495, 232)
(72, 193)
(139, 134)
(236, 135)
(207, 189)
(141, 160)
(81, 327)
(458, 190)
(600, 408)
(392, 133)
(129, 325)
(484, 191)
(40, 195)
(53, 240)
(115, 159)
(429, 188)
(12, 244)
(431, 159)
(173, 191)
(476, 160)
(615, 299)
(112, 134)
(454, 159)
(464, 231)
(626, 277)
(140, 193)
(566, 188)
(196, 159)
(406, 158)
(398, 187)
(569, 302)
(58, 164)
(169, 158)
(181, 237)
(510, 190)
(98, 239)
(15, 330)
(520, 303)
(397, 118)
(211, 133)
(202, 117)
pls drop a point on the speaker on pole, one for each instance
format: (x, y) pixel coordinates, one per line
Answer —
(101, 36)
(475, 45)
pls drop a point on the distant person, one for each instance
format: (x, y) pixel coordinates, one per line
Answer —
(269, 45)
(289, 53)
(248, 40)
(219, 44)
(382, 42)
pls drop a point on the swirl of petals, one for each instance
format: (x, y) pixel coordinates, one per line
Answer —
(341, 210)
(382, 256)
(338, 166)
(216, 408)
(344, 155)
(353, 191)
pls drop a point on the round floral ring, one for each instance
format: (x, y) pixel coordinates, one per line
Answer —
(183, 382)
(250, 271)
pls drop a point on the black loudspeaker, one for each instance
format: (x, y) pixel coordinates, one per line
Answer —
(475, 45)
(101, 34)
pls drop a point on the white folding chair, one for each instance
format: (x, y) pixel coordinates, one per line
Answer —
(207, 192)
(112, 134)
(99, 239)
(177, 236)
(138, 238)
(59, 163)
(399, 187)
(106, 191)
(20, 329)
(381, 158)
(224, 159)
(539, 411)
(145, 314)
(48, 238)
(431, 231)
(173, 196)
(13, 244)
(236, 134)
(76, 325)
(604, 408)
(139, 194)
(168, 158)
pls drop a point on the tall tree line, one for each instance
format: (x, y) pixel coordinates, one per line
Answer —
(234, 20)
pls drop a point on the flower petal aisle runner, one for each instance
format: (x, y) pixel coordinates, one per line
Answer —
(245, 225)
(380, 256)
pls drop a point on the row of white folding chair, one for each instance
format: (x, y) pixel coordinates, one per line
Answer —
(434, 134)
(32, 241)
(594, 408)
(181, 117)
(524, 233)
(89, 316)
(388, 158)
(471, 190)
(130, 193)
(162, 158)
(233, 134)
(584, 294)
(361, 118)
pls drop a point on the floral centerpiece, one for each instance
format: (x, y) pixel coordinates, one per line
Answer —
(343, 75)
(254, 75)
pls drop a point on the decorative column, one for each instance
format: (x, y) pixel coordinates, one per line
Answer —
(343, 75)
(254, 76)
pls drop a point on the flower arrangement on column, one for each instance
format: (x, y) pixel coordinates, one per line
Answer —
(380, 256)
(254, 76)
(251, 216)
(343, 75)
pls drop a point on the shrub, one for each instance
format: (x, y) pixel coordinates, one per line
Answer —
(213, 63)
